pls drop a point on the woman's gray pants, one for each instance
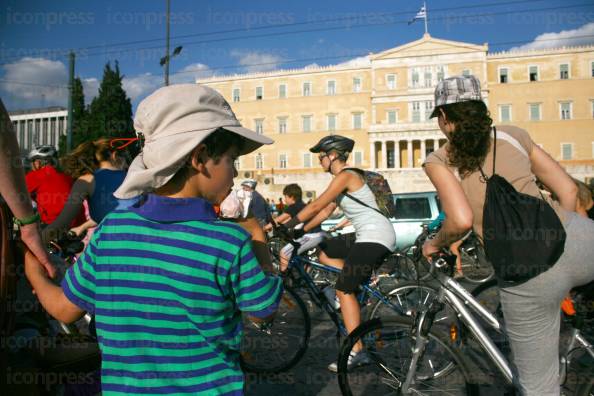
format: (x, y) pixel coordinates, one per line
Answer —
(532, 309)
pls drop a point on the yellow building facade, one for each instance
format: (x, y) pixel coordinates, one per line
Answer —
(383, 102)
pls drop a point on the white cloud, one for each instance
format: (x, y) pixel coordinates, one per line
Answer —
(90, 88)
(362, 61)
(191, 73)
(564, 38)
(254, 61)
(311, 66)
(34, 82)
(141, 85)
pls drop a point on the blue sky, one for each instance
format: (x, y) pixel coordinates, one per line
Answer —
(35, 34)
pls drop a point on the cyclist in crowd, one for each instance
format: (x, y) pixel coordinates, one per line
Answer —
(13, 190)
(531, 309)
(433, 227)
(99, 170)
(294, 198)
(158, 332)
(254, 203)
(356, 253)
(49, 187)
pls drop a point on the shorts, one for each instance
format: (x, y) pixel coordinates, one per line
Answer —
(360, 259)
(307, 241)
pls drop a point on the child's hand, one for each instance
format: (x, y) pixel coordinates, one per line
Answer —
(32, 239)
(33, 268)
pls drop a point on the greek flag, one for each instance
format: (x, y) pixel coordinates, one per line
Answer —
(422, 14)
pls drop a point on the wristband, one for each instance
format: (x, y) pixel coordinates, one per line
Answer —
(34, 218)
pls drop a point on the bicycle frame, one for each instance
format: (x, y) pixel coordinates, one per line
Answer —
(297, 263)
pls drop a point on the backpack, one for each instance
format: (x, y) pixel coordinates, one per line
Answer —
(522, 234)
(381, 191)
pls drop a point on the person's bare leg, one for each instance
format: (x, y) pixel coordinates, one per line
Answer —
(455, 248)
(333, 262)
(351, 314)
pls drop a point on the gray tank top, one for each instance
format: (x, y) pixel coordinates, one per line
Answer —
(370, 225)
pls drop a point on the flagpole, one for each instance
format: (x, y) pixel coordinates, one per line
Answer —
(425, 6)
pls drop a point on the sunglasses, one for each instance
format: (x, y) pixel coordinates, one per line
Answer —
(122, 143)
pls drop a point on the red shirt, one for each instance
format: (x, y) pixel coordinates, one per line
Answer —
(50, 189)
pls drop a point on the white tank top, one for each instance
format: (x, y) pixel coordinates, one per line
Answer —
(370, 225)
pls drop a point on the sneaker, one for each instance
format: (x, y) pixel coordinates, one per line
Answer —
(356, 359)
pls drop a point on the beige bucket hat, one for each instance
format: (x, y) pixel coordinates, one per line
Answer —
(173, 121)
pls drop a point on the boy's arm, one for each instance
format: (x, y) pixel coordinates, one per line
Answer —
(255, 293)
(50, 295)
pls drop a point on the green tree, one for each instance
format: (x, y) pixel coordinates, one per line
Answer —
(110, 113)
(79, 116)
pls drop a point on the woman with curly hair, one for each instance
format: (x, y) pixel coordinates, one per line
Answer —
(531, 308)
(98, 169)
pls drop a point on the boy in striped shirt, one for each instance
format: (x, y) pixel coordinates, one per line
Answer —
(164, 278)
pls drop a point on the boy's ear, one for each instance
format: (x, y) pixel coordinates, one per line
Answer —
(199, 158)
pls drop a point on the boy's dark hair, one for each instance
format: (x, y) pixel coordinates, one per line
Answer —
(293, 191)
(217, 144)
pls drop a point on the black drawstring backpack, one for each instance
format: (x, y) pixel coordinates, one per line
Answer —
(522, 234)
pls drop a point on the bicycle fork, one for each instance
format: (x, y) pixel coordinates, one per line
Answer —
(420, 332)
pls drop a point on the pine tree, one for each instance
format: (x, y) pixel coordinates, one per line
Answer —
(110, 113)
(79, 116)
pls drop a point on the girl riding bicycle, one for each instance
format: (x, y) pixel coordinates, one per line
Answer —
(357, 254)
(531, 309)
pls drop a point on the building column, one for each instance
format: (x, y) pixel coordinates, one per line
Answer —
(423, 151)
(409, 151)
(435, 144)
(384, 163)
(372, 164)
(396, 154)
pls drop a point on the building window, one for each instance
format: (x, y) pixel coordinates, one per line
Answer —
(356, 84)
(259, 93)
(391, 116)
(282, 91)
(358, 158)
(440, 73)
(259, 161)
(307, 123)
(533, 73)
(565, 110)
(466, 72)
(503, 75)
(236, 94)
(282, 125)
(592, 69)
(564, 71)
(391, 81)
(307, 89)
(505, 113)
(282, 161)
(331, 121)
(236, 164)
(566, 151)
(357, 117)
(428, 76)
(331, 87)
(416, 111)
(307, 160)
(259, 126)
(428, 108)
(415, 78)
(534, 111)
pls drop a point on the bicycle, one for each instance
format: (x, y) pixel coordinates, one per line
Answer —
(291, 328)
(428, 359)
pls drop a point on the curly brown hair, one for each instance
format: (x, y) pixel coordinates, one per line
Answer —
(85, 158)
(470, 142)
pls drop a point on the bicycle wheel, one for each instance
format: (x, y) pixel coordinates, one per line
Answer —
(407, 299)
(579, 379)
(280, 345)
(476, 268)
(389, 345)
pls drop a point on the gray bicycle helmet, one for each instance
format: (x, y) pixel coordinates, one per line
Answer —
(340, 144)
(44, 152)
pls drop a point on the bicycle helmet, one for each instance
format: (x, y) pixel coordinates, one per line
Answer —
(251, 183)
(340, 144)
(44, 152)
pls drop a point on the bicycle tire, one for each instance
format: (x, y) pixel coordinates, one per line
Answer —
(407, 296)
(291, 323)
(386, 372)
(415, 265)
(476, 268)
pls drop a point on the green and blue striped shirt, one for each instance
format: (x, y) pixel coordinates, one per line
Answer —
(166, 281)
